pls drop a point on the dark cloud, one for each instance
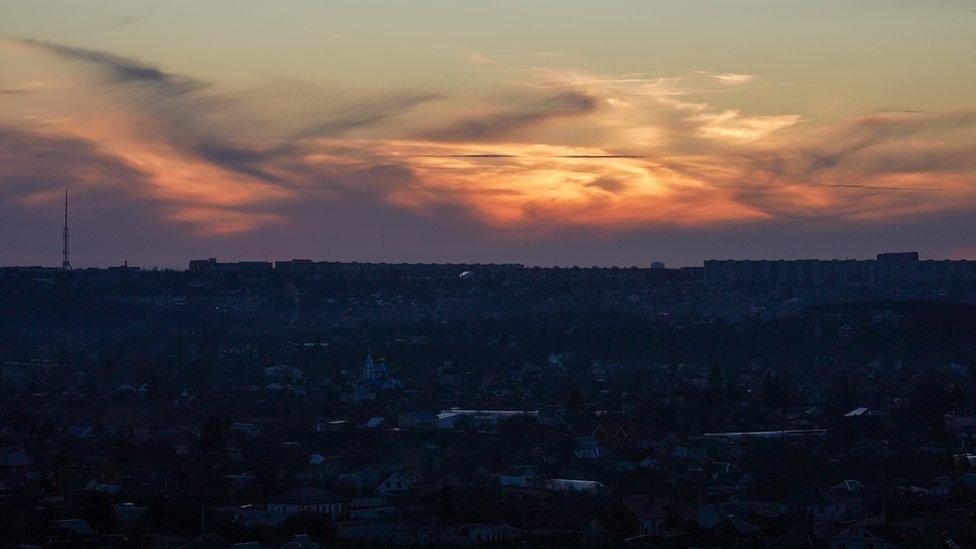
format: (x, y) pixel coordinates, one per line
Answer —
(212, 126)
(882, 188)
(850, 140)
(107, 193)
(476, 155)
(16, 90)
(863, 154)
(501, 155)
(243, 160)
(124, 21)
(213, 142)
(598, 156)
(608, 184)
(341, 214)
(503, 123)
(354, 225)
(368, 113)
(32, 162)
(122, 69)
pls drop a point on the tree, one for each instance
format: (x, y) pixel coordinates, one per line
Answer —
(212, 434)
(97, 510)
(955, 397)
(771, 390)
(576, 400)
(715, 377)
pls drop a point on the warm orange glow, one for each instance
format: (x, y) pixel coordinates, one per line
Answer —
(571, 149)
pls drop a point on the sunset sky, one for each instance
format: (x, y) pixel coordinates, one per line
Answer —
(535, 131)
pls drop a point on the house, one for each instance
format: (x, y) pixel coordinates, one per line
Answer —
(81, 431)
(684, 454)
(644, 515)
(14, 467)
(399, 483)
(373, 373)
(393, 385)
(389, 533)
(250, 516)
(69, 532)
(612, 434)
(661, 443)
(795, 537)
(519, 476)
(371, 508)
(477, 479)
(245, 428)
(207, 541)
(301, 541)
(847, 487)
(819, 506)
(283, 373)
(129, 513)
(330, 426)
(309, 499)
(562, 521)
(360, 479)
(240, 481)
(962, 426)
(577, 486)
(965, 460)
(319, 468)
(728, 477)
(636, 515)
(966, 482)
(878, 535)
(449, 420)
(489, 533)
(589, 448)
(454, 417)
(595, 534)
(103, 487)
(857, 412)
(362, 394)
(864, 416)
(651, 462)
(417, 420)
(733, 527)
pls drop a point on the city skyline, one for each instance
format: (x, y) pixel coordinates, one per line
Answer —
(511, 132)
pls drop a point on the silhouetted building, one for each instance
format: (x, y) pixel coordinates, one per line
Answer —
(887, 270)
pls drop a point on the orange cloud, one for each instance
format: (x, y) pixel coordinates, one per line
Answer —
(543, 187)
(560, 149)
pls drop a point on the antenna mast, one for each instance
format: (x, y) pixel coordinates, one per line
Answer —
(65, 264)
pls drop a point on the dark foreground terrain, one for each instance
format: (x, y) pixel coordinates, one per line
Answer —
(348, 405)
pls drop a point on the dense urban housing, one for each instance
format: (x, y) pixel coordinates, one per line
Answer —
(300, 404)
